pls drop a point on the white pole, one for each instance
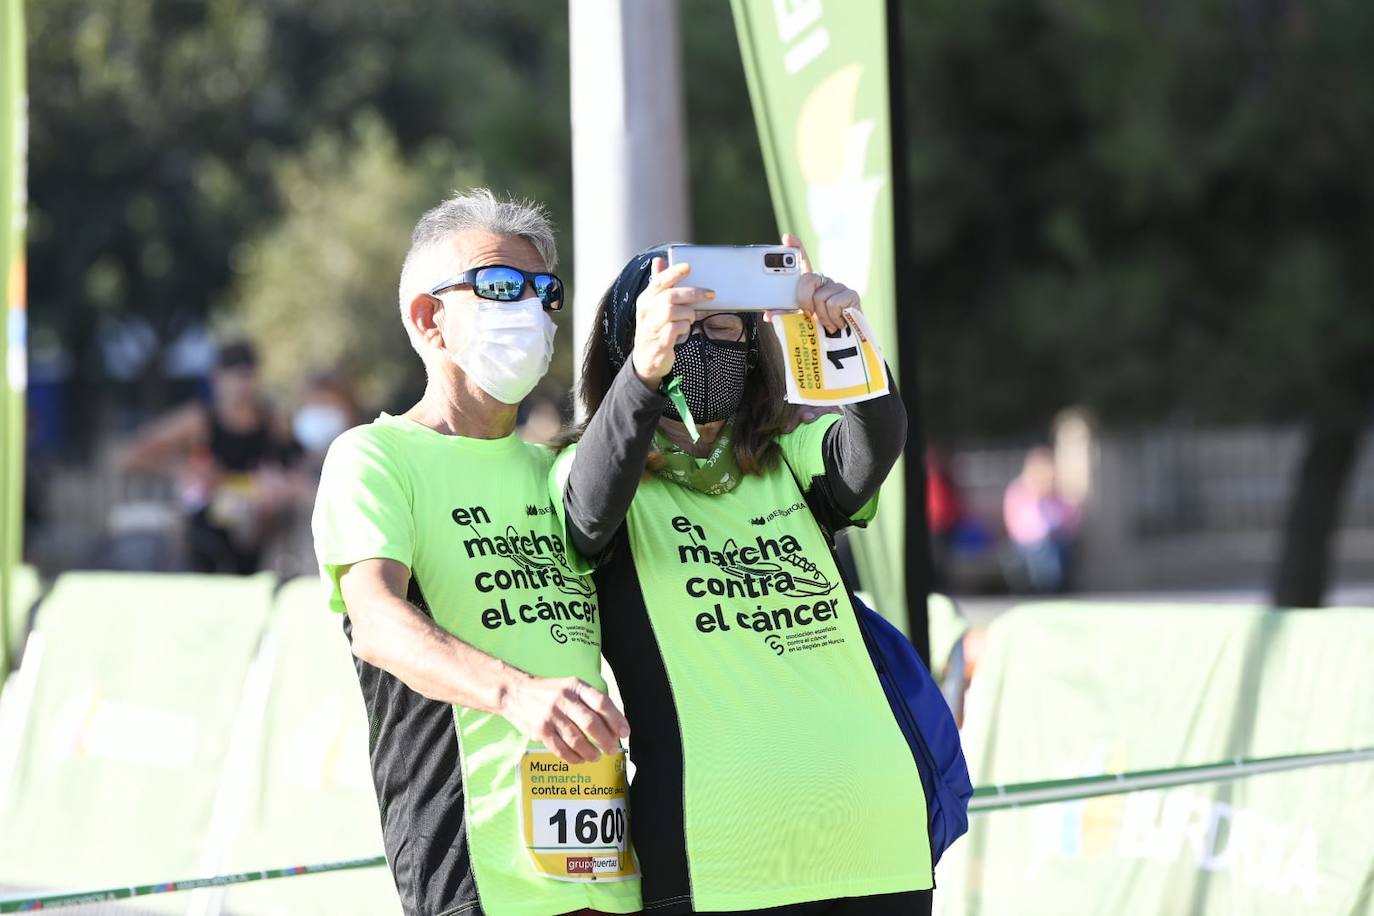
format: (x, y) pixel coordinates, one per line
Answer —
(628, 142)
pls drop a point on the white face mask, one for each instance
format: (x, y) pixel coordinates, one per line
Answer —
(507, 347)
(317, 425)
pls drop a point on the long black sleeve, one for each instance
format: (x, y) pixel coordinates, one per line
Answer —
(861, 449)
(859, 452)
(609, 462)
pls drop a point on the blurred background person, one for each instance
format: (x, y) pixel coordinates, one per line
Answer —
(540, 421)
(229, 457)
(963, 545)
(327, 407)
(1041, 525)
(944, 511)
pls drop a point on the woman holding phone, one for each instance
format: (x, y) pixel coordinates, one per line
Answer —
(770, 772)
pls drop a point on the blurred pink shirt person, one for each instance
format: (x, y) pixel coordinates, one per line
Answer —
(1032, 508)
(1040, 522)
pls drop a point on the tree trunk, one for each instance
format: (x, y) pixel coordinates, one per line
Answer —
(1305, 560)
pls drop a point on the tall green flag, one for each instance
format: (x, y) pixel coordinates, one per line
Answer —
(818, 73)
(13, 142)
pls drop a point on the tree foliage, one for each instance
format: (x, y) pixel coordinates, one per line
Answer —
(174, 143)
(1160, 210)
(318, 286)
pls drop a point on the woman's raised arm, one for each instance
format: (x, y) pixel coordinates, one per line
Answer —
(610, 458)
(609, 462)
(861, 449)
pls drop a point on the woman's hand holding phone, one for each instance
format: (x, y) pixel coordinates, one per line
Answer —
(820, 297)
(664, 313)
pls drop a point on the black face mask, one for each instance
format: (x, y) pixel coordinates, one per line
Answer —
(712, 374)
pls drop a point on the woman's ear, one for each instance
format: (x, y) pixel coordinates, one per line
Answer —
(426, 315)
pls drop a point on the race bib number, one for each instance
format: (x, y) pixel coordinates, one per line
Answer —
(826, 369)
(575, 817)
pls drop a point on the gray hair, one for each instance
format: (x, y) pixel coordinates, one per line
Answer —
(477, 209)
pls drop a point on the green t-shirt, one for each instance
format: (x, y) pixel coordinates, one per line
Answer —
(471, 520)
(797, 783)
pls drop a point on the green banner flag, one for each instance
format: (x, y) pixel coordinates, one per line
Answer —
(818, 80)
(13, 142)
(1069, 690)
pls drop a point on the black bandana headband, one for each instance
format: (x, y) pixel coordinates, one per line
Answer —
(618, 321)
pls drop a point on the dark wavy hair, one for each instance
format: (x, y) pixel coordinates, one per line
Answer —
(763, 411)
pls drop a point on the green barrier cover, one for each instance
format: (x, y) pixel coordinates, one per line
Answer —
(24, 589)
(1066, 690)
(947, 628)
(137, 683)
(818, 83)
(311, 796)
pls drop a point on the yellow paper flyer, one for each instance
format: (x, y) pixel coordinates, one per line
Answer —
(827, 369)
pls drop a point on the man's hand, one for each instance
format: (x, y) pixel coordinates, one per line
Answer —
(389, 632)
(819, 296)
(567, 715)
(664, 314)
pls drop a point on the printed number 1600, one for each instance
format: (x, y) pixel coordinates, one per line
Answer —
(603, 826)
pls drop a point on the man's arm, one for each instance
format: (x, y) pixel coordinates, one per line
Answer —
(166, 441)
(566, 714)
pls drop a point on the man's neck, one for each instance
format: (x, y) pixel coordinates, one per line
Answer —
(455, 407)
(677, 434)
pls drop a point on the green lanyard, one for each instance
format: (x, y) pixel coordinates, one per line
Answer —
(674, 392)
(715, 474)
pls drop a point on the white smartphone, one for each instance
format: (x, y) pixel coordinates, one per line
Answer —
(746, 278)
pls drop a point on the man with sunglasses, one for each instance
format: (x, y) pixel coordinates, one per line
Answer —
(477, 646)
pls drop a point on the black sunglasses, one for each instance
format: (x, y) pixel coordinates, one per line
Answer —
(502, 283)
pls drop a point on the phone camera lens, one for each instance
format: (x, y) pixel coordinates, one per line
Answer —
(788, 260)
